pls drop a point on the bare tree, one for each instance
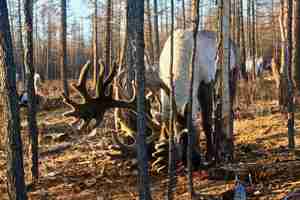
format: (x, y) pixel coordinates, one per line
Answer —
(15, 170)
(291, 130)
(108, 37)
(243, 43)
(296, 41)
(21, 46)
(32, 100)
(151, 48)
(172, 160)
(195, 18)
(95, 42)
(63, 53)
(225, 135)
(135, 26)
(156, 33)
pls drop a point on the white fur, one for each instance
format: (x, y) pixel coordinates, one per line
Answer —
(258, 66)
(205, 64)
(37, 85)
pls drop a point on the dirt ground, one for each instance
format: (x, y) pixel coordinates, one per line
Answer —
(74, 165)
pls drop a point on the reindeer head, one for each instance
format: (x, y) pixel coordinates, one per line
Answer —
(94, 107)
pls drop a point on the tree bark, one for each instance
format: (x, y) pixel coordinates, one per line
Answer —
(243, 42)
(95, 43)
(296, 49)
(172, 160)
(108, 38)
(291, 121)
(135, 26)
(225, 135)
(10, 113)
(151, 48)
(195, 20)
(21, 46)
(63, 39)
(156, 33)
(183, 14)
(32, 100)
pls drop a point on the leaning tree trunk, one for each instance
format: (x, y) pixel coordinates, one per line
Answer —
(135, 23)
(32, 100)
(10, 113)
(63, 38)
(291, 130)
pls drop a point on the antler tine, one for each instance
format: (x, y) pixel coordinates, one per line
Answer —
(99, 85)
(68, 101)
(110, 77)
(81, 85)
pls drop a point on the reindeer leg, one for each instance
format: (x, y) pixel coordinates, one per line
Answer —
(205, 100)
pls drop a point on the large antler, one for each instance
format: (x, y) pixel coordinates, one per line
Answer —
(95, 107)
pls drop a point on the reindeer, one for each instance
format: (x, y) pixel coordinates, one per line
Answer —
(204, 76)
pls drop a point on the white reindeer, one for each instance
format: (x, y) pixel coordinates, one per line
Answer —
(204, 73)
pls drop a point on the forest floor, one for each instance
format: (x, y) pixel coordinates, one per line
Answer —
(74, 165)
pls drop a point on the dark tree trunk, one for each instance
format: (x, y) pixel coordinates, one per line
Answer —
(195, 19)
(243, 43)
(156, 33)
(151, 49)
(63, 39)
(10, 113)
(21, 46)
(32, 100)
(108, 38)
(291, 121)
(172, 159)
(183, 14)
(135, 25)
(296, 54)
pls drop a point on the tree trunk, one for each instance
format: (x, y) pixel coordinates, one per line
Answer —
(63, 39)
(183, 14)
(21, 46)
(296, 39)
(291, 52)
(49, 47)
(10, 113)
(151, 49)
(225, 135)
(195, 19)
(283, 74)
(95, 43)
(108, 38)
(172, 159)
(32, 100)
(135, 28)
(156, 33)
(243, 42)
